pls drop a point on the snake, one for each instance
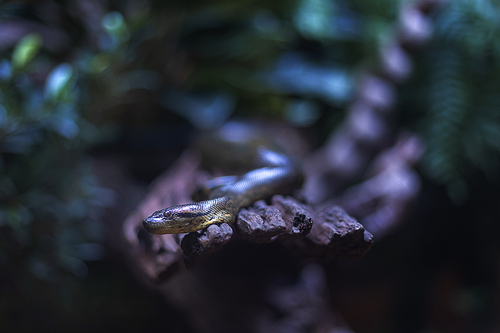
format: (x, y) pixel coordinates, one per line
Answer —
(273, 173)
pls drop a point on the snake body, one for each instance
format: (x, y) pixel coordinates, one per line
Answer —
(226, 195)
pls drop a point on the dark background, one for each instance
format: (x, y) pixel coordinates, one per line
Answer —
(132, 81)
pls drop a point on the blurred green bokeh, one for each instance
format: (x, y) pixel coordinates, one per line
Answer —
(72, 76)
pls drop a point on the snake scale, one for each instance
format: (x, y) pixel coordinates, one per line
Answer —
(274, 173)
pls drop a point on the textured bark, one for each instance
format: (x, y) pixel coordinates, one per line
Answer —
(206, 241)
(337, 235)
(284, 220)
(236, 263)
(296, 215)
(260, 223)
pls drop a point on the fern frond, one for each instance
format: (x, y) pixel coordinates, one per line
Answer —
(472, 25)
(461, 122)
(448, 105)
(481, 138)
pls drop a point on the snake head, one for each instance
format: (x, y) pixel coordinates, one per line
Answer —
(190, 217)
(155, 224)
(174, 220)
(178, 219)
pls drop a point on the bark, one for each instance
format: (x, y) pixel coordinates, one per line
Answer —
(251, 276)
(284, 220)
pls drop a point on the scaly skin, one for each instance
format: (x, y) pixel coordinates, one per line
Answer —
(228, 194)
(191, 217)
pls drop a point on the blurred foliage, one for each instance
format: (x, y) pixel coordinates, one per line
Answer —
(456, 97)
(50, 203)
(72, 72)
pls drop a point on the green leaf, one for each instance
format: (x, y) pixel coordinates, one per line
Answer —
(26, 49)
(59, 81)
(114, 24)
(314, 19)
